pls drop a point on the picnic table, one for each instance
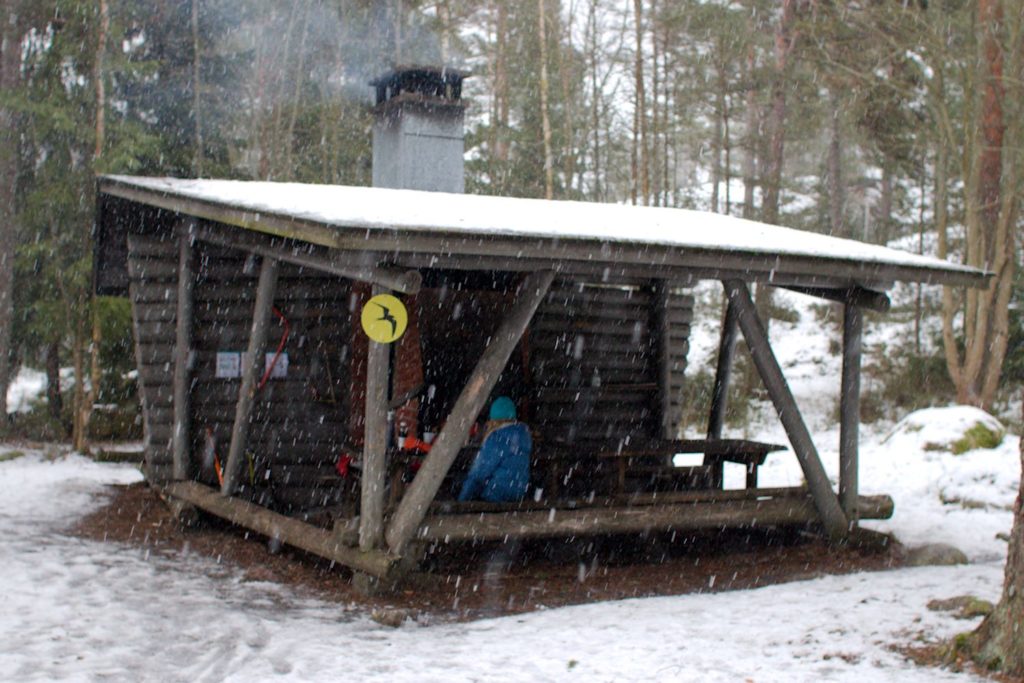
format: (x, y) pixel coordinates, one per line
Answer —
(654, 458)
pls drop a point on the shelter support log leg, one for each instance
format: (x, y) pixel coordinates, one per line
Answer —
(371, 517)
(320, 542)
(181, 436)
(660, 319)
(720, 392)
(825, 500)
(849, 410)
(265, 291)
(413, 508)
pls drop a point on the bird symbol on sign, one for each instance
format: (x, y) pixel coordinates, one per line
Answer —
(386, 316)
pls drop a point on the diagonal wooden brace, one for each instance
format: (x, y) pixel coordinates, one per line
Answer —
(413, 508)
(251, 372)
(825, 499)
(181, 437)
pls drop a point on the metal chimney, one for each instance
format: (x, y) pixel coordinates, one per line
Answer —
(418, 131)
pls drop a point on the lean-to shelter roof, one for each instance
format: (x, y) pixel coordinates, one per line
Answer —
(428, 228)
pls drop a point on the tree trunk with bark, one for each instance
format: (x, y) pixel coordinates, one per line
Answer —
(999, 642)
(991, 206)
(549, 163)
(10, 75)
(641, 177)
(834, 184)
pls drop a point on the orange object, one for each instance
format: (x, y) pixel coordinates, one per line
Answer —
(411, 443)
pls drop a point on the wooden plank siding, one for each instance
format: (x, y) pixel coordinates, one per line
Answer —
(593, 361)
(300, 422)
(153, 290)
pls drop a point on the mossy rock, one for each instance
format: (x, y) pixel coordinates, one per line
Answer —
(978, 436)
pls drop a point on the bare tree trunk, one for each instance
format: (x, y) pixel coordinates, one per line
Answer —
(501, 96)
(549, 170)
(640, 112)
(568, 104)
(750, 158)
(883, 231)
(656, 118)
(999, 641)
(992, 202)
(834, 185)
(777, 116)
(10, 75)
(79, 425)
(727, 143)
(87, 395)
(289, 135)
(197, 112)
(667, 182)
(595, 96)
(716, 146)
(54, 400)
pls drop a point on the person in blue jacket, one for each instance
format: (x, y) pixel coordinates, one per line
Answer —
(501, 471)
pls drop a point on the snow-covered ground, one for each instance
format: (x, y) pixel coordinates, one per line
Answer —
(82, 610)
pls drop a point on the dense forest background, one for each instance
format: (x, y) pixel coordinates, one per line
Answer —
(889, 122)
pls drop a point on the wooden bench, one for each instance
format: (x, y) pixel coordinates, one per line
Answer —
(654, 458)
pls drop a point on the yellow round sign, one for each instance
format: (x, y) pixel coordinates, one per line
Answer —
(384, 318)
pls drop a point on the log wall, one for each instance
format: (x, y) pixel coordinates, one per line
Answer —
(595, 367)
(300, 422)
(594, 361)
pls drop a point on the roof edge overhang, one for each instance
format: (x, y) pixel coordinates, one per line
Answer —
(422, 248)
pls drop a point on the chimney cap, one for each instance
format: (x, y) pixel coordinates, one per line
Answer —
(436, 84)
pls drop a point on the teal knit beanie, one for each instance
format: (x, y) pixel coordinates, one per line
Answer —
(503, 409)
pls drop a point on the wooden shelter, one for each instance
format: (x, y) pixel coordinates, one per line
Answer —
(246, 299)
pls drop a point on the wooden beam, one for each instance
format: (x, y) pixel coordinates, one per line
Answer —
(354, 266)
(660, 321)
(293, 532)
(375, 439)
(251, 372)
(849, 411)
(752, 511)
(856, 296)
(416, 501)
(720, 391)
(181, 438)
(723, 371)
(825, 500)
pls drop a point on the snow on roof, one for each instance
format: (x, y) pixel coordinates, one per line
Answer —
(438, 214)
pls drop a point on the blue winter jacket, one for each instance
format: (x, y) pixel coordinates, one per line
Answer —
(501, 471)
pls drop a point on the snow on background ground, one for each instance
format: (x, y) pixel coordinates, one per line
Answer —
(81, 610)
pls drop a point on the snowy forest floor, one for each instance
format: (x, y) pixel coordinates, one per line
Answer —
(82, 609)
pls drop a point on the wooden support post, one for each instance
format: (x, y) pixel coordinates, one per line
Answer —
(825, 499)
(251, 372)
(375, 439)
(720, 392)
(413, 508)
(181, 435)
(849, 410)
(662, 331)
